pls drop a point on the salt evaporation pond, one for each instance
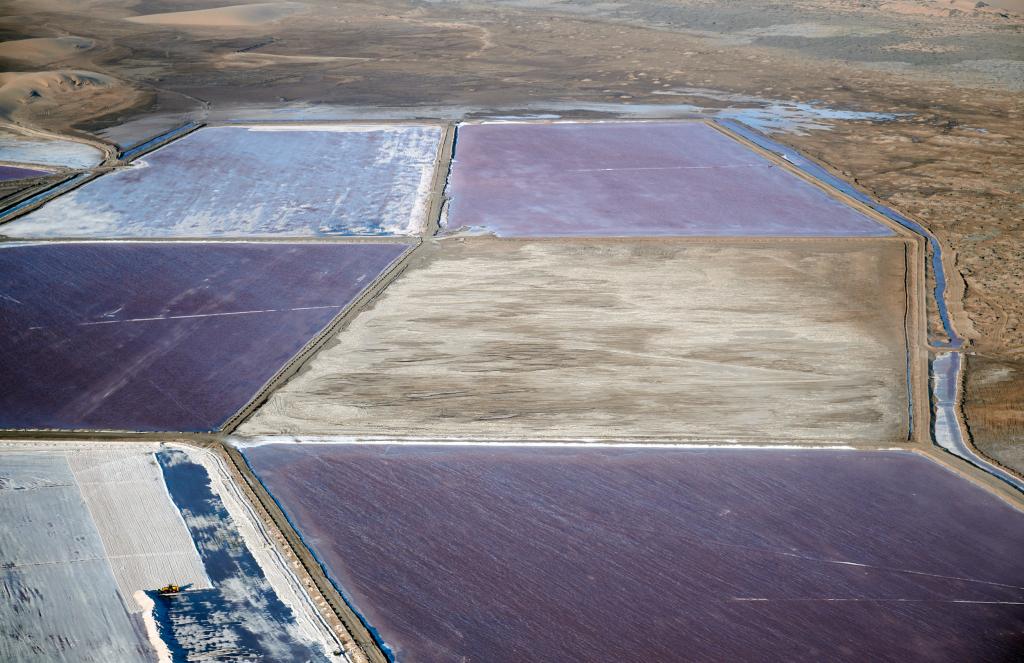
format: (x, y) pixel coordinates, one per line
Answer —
(15, 173)
(162, 336)
(88, 530)
(618, 554)
(633, 179)
(240, 617)
(58, 595)
(297, 180)
(48, 152)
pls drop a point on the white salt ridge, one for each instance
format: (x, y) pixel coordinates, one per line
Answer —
(146, 605)
(583, 443)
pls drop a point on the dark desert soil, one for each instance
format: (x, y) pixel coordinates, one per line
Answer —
(995, 409)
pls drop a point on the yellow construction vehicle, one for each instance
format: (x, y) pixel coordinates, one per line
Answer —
(169, 590)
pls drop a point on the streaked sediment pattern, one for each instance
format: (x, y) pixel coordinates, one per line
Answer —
(797, 341)
(510, 554)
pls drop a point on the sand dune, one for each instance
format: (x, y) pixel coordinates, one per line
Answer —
(26, 96)
(223, 17)
(41, 86)
(44, 50)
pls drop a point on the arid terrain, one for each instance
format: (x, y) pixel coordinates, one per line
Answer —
(950, 74)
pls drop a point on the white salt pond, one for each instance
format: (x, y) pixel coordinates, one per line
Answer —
(15, 148)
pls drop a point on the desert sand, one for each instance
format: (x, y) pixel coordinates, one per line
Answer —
(26, 95)
(224, 17)
(44, 50)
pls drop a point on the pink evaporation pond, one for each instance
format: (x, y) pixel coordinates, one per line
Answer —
(633, 179)
(509, 553)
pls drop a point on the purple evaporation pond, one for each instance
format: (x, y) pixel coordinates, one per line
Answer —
(16, 173)
(633, 179)
(162, 336)
(555, 554)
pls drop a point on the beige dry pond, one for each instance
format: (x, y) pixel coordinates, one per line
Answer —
(735, 339)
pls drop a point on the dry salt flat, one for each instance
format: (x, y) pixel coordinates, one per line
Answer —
(507, 339)
(90, 525)
(58, 596)
(143, 534)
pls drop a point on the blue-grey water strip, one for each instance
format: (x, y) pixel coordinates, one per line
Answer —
(945, 368)
(241, 614)
(156, 141)
(43, 196)
(819, 173)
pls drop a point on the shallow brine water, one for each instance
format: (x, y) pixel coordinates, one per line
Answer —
(506, 554)
(162, 336)
(632, 179)
(241, 617)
